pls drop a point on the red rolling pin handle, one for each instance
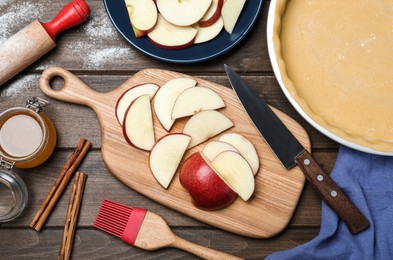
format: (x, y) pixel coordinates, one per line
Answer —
(72, 14)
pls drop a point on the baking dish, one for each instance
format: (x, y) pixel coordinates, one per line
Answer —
(289, 52)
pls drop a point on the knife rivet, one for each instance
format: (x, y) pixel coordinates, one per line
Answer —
(320, 178)
(333, 193)
(306, 162)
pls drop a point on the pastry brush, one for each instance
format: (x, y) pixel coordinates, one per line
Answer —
(146, 230)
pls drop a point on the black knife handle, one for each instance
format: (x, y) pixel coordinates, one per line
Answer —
(332, 194)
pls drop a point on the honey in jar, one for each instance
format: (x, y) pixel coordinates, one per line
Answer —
(27, 139)
(27, 136)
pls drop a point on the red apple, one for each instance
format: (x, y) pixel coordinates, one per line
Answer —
(212, 14)
(230, 13)
(207, 190)
(143, 15)
(138, 129)
(172, 37)
(183, 12)
(209, 32)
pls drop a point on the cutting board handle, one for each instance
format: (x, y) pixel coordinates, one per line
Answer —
(73, 91)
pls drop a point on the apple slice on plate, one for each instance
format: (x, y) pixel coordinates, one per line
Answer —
(194, 100)
(214, 148)
(169, 36)
(166, 156)
(143, 15)
(207, 33)
(130, 95)
(183, 12)
(205, 125)
(138, 127)
(166, 97)
(245, 148)
(206, 188)
(235, 171)
(230, 13)
(212, 14)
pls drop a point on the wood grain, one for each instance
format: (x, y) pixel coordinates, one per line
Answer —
(277, 190)
(22, 49)
(76, 51)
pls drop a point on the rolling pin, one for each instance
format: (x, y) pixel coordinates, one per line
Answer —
(37, 38)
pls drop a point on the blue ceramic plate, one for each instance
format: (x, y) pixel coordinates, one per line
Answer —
(118, 14)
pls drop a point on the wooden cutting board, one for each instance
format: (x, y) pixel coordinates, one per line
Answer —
(277, 190)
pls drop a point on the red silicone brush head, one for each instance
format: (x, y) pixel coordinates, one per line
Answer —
(120, 220)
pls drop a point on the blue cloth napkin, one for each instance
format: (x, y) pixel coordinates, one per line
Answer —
(368, 181)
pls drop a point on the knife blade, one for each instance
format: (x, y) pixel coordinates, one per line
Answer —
(290, 153)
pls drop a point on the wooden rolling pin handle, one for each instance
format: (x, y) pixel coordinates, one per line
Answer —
(74, 13)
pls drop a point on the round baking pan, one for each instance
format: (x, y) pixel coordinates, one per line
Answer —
(278, 64)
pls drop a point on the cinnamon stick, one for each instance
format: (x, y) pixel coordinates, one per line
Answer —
(60, 184)
(72, 216)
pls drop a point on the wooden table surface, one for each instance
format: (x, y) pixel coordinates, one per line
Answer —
(103, 59)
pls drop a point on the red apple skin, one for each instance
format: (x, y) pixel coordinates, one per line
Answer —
(122, 95)
(207, 190)
(214, 17)
(174, 47)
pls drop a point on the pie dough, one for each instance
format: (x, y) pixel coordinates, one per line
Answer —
(336, 60)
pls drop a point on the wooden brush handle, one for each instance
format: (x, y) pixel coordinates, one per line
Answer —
(201, 251)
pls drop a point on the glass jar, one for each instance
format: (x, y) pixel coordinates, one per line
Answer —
(27, 139)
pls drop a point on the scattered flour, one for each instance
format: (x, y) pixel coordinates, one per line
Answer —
(15, 16)
(91, 51)
(20, 85)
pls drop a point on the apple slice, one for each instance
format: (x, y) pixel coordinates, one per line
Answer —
(205, 125)
(166, 155)
(169, 36)
(206, 188)
(194, 100)
(245, 148)
(166, 97)
(230, 13)
(143, 15)
(212, 14)
(183, 12)
(235, 171)
(214, 148)
(138, 127)
(207, 33)
(130, 95)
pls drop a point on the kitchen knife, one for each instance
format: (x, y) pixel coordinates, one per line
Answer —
(36, 39)
(290, 152)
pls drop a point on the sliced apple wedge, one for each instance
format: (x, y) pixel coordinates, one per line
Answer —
(205, 125)
(245, 148)
(166, 97)
(214, 148)
(143, 15)
(183, 12)
(194, 100)
(230, 13)
(207, 33)
(166, 156)
(212, 14)
(130, 95)
(235, 171)
(169, 36)
(138, 127)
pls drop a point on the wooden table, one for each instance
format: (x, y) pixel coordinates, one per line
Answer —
(103, 59)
